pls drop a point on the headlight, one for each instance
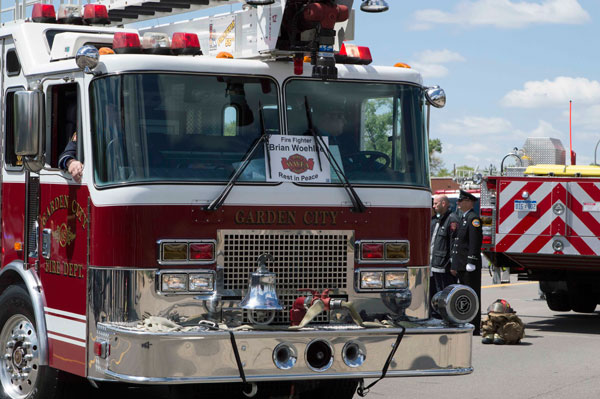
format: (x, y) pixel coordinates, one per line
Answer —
(174, 282)
(371, 280)
(201, 282)
(396, 279)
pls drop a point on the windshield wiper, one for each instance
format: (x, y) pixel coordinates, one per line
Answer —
(264, 138)
(357, 204)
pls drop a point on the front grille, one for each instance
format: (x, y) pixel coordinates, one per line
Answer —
(302, 259)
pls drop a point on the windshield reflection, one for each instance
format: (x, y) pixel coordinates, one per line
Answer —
(167, 127)
(376, 130)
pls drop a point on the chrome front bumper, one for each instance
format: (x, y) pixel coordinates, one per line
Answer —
(142, 357)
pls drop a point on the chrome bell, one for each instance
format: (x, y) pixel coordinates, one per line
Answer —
(261, 299)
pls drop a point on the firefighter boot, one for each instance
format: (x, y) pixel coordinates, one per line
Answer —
(498, 340)
(487, 339)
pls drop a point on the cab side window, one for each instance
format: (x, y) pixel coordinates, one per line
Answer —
(65, 117)
(12, 161)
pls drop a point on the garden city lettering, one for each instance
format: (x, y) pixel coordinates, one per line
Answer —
(309, 218)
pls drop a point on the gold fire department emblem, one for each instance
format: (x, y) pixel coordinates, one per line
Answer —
(63, 235)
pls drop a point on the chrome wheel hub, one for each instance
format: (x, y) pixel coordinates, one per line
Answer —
(19, 366)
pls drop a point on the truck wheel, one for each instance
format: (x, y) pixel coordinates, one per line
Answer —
(21, 374)
(558, 301)
(582, 303)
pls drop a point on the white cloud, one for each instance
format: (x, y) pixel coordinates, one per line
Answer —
(504, 14)
(430, 62)
(477, 126)
(439, 57)
(559, 91)
(545, 129)
(481, 141)
(588, 118)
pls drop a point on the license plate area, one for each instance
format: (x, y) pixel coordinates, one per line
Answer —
(525, 205)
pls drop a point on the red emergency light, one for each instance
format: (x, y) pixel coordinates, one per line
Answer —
(95, 14)
(353, 54)
(43, 13)
(126, 43)
(486, 211)
(184, 43)
(487, 240)
(202, 251)
(371, 250)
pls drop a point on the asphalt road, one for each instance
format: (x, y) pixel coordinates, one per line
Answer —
(559, 358)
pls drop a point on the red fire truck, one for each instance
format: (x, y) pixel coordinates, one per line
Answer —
(239, 219)
(543, 220)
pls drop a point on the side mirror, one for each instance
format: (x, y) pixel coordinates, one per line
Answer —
(29, 128)
(436, 96)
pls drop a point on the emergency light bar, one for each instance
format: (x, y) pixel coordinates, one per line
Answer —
(126, 43)
(69, 14)
(156, 43)
(353, 54)
(184, 43)
(43, 13)
(95, 14)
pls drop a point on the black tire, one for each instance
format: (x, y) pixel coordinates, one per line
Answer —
(558, 301)
(582, 303)
(19, 339)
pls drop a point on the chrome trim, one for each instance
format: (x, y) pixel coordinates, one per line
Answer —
(383, 261)
(159, 254)
(329, 363)
(361, 354)
(290, 361)
(268, 377)
(38, 301)
(429, 348)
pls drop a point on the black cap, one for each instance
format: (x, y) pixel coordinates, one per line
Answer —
(465, 195)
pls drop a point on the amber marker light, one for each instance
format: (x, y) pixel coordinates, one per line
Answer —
(224, 54)
(173, 251)
(18, 246)
(402, 65)
(396, 250)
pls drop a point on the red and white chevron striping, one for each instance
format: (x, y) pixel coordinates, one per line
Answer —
(568, 211)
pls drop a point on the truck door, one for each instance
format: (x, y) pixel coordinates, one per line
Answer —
(13, 175)
(63, 224)
(583, 217)
(530, 213)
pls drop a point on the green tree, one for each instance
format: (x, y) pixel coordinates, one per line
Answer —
(378, 125)
(435, 161)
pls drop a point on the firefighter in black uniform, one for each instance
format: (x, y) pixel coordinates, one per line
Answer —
(466, 250)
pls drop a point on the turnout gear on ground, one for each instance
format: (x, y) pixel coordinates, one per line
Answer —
(502, 327)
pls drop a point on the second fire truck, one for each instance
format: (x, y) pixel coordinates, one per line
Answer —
(542, 219)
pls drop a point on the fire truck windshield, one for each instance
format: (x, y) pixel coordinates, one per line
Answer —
(376, 130)
(151, 127)
(166, 127)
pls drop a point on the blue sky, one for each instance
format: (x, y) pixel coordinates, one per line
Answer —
(509, 69)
